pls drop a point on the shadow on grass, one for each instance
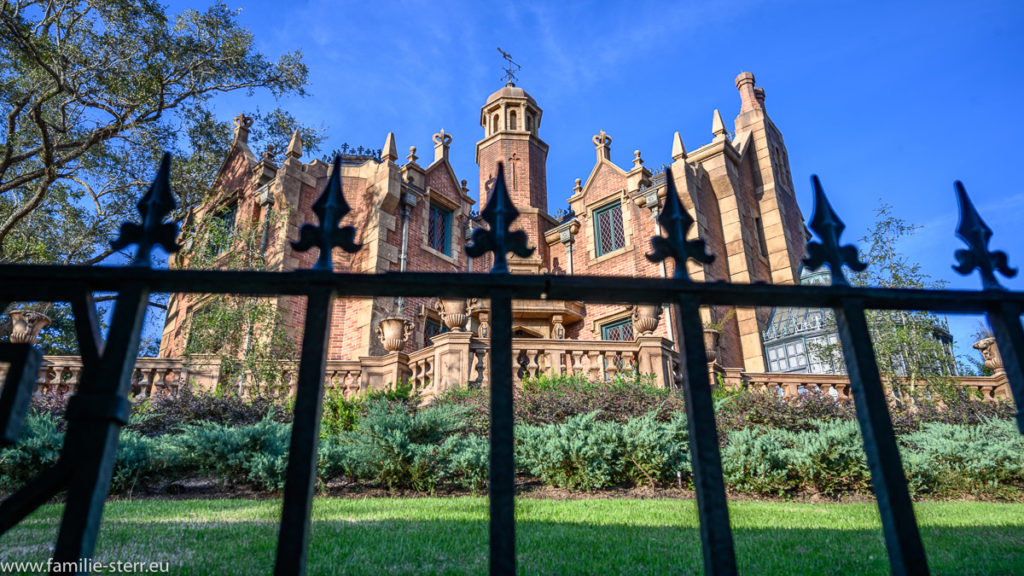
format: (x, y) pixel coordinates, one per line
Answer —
(460, 547)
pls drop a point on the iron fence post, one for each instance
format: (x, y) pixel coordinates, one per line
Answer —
(502, 471)
(902, 538)
(300, 479)
(1004, 318)
(705, 457)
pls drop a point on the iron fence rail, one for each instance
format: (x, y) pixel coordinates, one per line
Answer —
(99, 409)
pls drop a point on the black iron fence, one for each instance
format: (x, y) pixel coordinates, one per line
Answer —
(100, 408)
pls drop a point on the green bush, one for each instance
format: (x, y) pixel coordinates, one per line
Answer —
(762, 460)
(958, 457)
(656, 452)
(37, 449)
(402, 449)
(253, 454)
(583, 453)
(833, 458)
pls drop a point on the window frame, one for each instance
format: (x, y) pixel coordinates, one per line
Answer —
(614, 324)
(599, 250)
(448, 214)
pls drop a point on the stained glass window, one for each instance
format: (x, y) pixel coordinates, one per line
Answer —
(439, 229)
(621, 330)
(608, 231)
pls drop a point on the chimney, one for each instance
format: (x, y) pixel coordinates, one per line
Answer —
(748, 96)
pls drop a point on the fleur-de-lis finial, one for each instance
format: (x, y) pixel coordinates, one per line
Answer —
(329, 208)
(976, 234)
(154, 206)
(676, 222)
(499, 213)
(827, 225)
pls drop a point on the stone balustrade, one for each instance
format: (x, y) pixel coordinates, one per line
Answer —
(459, 358)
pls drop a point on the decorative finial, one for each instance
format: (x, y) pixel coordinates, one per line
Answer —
(294, 146)
(676, 222)
(329, 208)
(976, 234)
(156, 204)
(499, 213)
(510, 68)
(827, 225)
(412, 157)
(718, 126)
(578, 187)
(242, 125)
(638, 162)
(678, 151)
(603, 143)
(465, 187)
(268, 154)
(390, 151)
(442, 142)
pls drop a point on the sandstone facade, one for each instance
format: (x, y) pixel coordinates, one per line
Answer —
(416, 216)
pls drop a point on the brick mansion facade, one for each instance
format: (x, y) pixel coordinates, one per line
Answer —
(413, 214)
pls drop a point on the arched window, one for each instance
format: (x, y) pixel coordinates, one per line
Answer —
(494, 124)
(512, 121)
(529, 122)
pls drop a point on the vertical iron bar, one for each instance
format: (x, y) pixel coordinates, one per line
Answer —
(705, 457)
(902, 538)
(502, 480)
(95, 416)
(300, 481)
(1004, 318)
(87, 328)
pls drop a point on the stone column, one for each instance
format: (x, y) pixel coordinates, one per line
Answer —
(453, 363)
(655, 357)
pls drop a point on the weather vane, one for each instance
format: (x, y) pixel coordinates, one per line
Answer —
(510, 68)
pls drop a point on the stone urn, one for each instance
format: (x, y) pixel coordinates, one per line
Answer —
(711, 337)
(26, 325)
(646, 318)
(454, 313)
(394, 332)
(990, 352)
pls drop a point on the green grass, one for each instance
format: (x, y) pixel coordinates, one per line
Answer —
(449, 536)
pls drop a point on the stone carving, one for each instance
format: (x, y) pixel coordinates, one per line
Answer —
(394, 332)
(990, 352)
(454, 313)
(646, 318)
(27, 325)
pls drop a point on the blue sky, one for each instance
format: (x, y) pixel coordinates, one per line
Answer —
(890, 100)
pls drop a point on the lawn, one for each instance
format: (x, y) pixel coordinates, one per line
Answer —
(599, 536)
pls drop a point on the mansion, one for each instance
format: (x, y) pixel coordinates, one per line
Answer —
(416, 214)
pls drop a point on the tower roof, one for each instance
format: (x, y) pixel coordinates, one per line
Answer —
(510, 91)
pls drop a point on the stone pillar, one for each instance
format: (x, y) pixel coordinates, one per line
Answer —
(203, 372)
(453, 362)
(655, 357)
(382, 372)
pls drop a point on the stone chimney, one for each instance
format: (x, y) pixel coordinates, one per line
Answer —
(442, 142)
(603, 142)
(748, 94)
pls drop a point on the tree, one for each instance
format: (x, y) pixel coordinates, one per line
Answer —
(92, 92)
(912, 347)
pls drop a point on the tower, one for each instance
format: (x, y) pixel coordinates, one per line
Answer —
(511, 122)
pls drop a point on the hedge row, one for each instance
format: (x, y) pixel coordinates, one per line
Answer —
(430, 448)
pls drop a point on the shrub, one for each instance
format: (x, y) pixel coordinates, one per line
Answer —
(745, 409)
(38, 448)
(402, 449)
(169, 414)
(833, 458)
(581, 454)
(655, 452)
(252, 454)
(963, 457)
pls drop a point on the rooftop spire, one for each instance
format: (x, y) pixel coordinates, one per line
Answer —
(678, 151)
(717, 126)
(603, 142)
(390, 153)
(442, 142)
(294, 146)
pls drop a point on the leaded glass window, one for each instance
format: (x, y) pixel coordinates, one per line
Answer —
(608, 231)
(439, 229)
(621, 330)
